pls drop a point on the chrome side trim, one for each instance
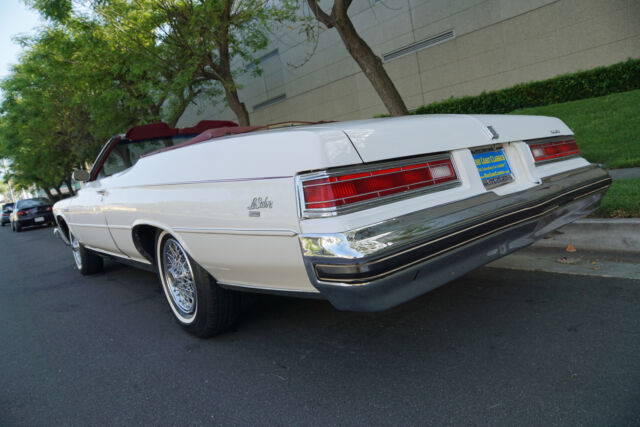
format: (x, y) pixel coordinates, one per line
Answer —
(238, 231)
(206, 181)
(120, 227)
(77, 224)
(113, 254)
(116, 227)
(311, 293)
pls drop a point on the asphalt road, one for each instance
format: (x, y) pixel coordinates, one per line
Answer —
(497, 347)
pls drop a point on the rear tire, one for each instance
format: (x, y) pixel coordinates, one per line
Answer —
(18, 227)
(87, 262)
(199, 305)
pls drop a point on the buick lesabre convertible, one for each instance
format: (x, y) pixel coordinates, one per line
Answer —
(366, 214)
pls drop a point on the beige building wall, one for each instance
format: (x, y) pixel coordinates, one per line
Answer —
(496, 44)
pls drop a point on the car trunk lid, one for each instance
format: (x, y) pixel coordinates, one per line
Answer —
(377, 140)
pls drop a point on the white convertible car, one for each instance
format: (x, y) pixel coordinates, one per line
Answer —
(366, 214)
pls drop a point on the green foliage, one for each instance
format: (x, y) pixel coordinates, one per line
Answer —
(197, 43)
(599, 81)
(607, 128)
(38, 115)
(85, 77)
(55, 10)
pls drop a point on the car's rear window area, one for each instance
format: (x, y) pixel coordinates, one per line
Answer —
(7, 208)
(32, 203)
(126, 153)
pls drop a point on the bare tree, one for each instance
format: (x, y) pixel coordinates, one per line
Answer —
(369, 62)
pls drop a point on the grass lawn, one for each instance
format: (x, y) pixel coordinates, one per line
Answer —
(607, 128)
(622, 200)
(607, 131)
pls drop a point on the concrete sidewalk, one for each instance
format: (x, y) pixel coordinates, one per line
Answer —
(628, 173)
(582, 262)
(603, 247)
(596, 234)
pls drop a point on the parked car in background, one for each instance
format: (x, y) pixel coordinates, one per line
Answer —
(366, 214)
(6, 211)
(31, 212)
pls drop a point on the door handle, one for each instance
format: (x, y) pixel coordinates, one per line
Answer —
(102, 192)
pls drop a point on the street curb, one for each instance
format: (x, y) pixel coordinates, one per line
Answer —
(609, 235)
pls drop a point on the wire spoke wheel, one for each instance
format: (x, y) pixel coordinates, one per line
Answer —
(75, 247)
(199, 305)
(178, 278)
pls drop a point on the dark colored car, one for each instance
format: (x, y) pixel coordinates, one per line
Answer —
(6, 211)
(30, 212)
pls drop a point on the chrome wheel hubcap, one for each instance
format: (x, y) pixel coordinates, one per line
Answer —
(178, 277)
(75, 247)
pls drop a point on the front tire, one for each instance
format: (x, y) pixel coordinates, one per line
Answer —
(199, 305)
(87, 262)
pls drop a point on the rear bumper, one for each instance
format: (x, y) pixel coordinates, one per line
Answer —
(382, 265)
(26, 222)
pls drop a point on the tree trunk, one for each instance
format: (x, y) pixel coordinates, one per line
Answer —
(236, 106)
(369, 62)
(67, 182)
(49, 195)
(372, 67)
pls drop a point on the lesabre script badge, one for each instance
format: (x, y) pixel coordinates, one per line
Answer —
(259, 203)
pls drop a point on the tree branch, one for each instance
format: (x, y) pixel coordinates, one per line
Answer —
(328, 20)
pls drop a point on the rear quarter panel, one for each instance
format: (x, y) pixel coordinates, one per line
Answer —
(203, 195)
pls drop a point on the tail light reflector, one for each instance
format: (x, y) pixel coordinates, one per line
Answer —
(544, 151)
(338, 190)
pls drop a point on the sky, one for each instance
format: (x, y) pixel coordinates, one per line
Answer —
(15, 18)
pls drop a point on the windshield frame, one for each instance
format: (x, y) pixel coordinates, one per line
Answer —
(113, 142)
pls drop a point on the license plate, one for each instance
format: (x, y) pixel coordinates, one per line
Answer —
(39, 219)
(493, 167)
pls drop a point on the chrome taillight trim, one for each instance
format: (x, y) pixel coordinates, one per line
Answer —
(303, 212)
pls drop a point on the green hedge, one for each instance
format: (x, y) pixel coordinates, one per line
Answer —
(620, 77)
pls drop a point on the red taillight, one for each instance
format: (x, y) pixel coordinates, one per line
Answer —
(552, 150)
(48, 209)
(22, 213)
(341, 190)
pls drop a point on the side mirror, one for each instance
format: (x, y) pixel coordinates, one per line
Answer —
(80, 175)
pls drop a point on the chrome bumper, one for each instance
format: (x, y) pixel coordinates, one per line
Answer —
(382, 265)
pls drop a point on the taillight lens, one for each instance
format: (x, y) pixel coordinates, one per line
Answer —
(348, 188)
(22, 213)
(544, 151)
(48, 209)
